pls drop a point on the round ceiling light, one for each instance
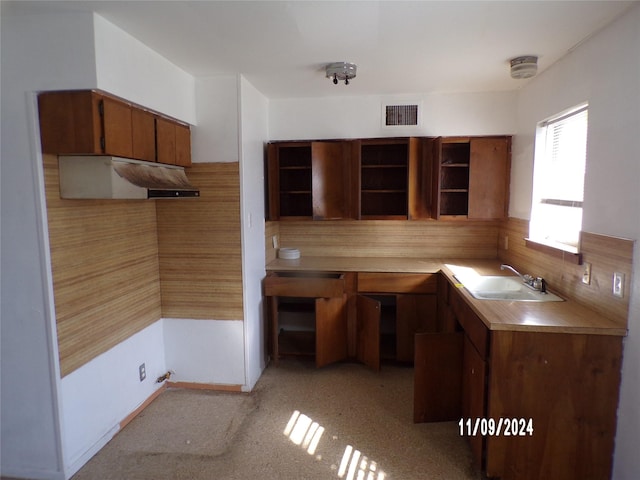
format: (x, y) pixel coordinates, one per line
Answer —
(341, 71)
(524, 67)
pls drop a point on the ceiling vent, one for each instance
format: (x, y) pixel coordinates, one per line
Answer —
(401, 115)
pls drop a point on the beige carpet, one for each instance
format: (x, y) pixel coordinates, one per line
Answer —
(338, 422)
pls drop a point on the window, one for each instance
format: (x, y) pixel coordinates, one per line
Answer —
(558, 179)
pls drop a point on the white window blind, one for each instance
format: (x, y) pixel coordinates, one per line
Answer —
(558, 190)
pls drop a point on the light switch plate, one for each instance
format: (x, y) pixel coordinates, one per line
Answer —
(586, 273)
(618, 284)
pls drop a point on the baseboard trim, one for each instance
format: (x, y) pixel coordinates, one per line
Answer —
(205, 386)
(142, 406)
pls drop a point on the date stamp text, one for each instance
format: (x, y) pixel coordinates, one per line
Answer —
(494, 427)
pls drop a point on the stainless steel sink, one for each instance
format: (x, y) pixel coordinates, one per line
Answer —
(496, 287)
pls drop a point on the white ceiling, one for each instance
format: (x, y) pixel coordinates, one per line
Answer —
(400, 47)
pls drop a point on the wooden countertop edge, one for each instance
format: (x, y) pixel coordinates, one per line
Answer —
(560, 317)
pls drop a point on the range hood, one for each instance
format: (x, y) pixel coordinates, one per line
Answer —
(99, 177)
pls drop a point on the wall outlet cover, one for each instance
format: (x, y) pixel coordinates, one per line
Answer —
(618, 284)
(142, 372)
(586, 273)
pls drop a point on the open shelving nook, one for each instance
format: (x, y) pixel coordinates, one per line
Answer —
(294, 176)
(384, 179)
(454, 178)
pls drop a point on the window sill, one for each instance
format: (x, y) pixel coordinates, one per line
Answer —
(569, 254)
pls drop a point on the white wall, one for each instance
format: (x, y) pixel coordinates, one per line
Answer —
(254, 131)
(54, 52)
(216, 137)
(129, 69)
(361, 117)
(205, 351)
(97, 396)
(605, 71)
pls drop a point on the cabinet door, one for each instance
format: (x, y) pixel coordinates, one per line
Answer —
(474, 372)
(437, 377)
(330, 173)
(368, 332)
(183, 145)
(116, 125)
(143, 129)
(489, 171)
(331, 330)
(165, 141)
(414, 314)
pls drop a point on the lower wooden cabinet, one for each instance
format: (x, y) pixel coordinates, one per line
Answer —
(328, 316)
(555, 395)
(317, 305)
(392, 308)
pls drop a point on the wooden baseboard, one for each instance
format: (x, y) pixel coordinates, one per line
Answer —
(144, 405)
(205, 386)
(186, 385)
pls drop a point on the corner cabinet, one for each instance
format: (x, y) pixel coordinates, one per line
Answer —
(91, 122)
(471, 177)
(556, 394)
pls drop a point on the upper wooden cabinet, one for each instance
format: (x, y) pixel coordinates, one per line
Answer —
(471, 177)
(89, 122)
(310, 180)
(390, 178)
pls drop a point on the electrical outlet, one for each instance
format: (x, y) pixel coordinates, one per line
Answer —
(618, 284)
(274, 240)
(506, 242)
(142, 372)
(586, 273)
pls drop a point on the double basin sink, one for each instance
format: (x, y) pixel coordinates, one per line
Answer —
(497, 287)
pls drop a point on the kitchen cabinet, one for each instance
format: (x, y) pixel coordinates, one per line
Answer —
(173, 143)
(143, 135)
(557, 390)
(389, 177)
(90, 122)
(471, 177)
(310, 180)
(391, 309)
(308, 315)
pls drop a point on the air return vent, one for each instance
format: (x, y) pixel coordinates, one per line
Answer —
(401, 115)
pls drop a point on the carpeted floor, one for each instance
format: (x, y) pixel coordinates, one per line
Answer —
(338, 422)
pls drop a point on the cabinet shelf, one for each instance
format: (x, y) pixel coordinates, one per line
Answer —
(384, 179)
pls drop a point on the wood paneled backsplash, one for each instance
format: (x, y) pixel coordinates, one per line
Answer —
(200, 247)
(390, 238)
(104, 258)
(606, 255)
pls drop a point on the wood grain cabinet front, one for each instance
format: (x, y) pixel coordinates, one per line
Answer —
(308, 315)
(392, 308)
(471, 177)
(310, 180)
(90, 122)
(553, 396)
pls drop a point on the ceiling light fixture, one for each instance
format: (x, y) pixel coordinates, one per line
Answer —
(341, 71)
(524, 67)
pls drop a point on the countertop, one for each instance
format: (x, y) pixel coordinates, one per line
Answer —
(551, 317)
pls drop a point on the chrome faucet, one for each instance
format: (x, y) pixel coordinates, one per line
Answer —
(535, 283)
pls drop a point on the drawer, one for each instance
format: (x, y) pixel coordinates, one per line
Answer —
(397, 282)
(304, 284)
(473, 326)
